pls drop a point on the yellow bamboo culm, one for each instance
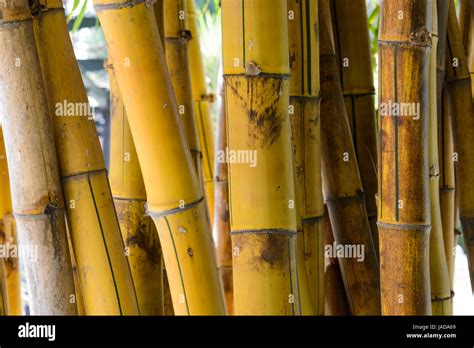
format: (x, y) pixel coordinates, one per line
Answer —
(441, 299)
(176, 48)
(202, 106)
(403, 163)
(458, 84)
(8, 233)
(158, 7)
(261, 186)
(174, 191)
(106, 281)
(221, 227)
(342, 186)
(139, 234)
(352, 44)
(305, 122)
(37, 198)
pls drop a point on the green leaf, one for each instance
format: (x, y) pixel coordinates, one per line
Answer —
(74, 7)
(80, 17)
(374, 16)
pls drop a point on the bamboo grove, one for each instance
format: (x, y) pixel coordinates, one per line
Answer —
(302, 186)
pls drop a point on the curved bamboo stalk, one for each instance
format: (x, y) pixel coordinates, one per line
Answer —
(37, 198)
(106, 281)
(352, 44)
(174, 192)
(202, 106)
(458, 84)
(441, 300)
(221, 230)
(305, 122)
(261, 184)
(138, 230)
(342, 185)
(403, 197)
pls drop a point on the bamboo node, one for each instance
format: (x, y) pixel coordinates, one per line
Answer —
(252, 69)
(185, 35)
(36, 7)
(421, 37)
(442, 299)
(52, 209)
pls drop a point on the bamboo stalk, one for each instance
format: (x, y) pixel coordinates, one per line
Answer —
(221, 230)
(174, 192)
(403, 197)
(176, 42)
(342, 186)
(12, 268)
(261, 192)
(106, 281)
(37, 198)
(445, 148)
(168, 309)
(335, 298)
(305, 122)
(447, 185)
(138, 230)
(8, 233)
(441, 299)
(466, 13)
(458, 83)
(3, 289)
(202, 106)
(167, 301)
(352, 44)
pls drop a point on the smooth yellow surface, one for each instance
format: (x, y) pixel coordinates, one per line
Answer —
(253, 38)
